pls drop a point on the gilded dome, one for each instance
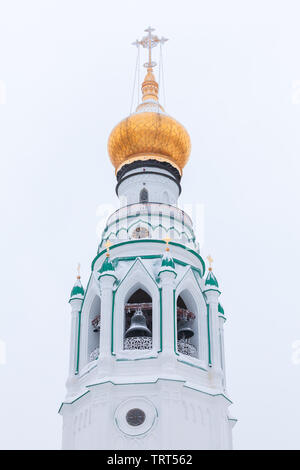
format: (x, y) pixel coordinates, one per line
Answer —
(149, 133)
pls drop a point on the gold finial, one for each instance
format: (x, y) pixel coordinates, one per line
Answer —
(210, 260)
(107, 246)
(167, 240)
(78, 271)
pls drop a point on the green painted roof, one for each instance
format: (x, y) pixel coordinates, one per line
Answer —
(221, 309)
(167, 261)
(211, 279)
(77, 289)
(106, 266)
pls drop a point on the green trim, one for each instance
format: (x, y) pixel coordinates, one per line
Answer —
(221, 309)
(184, 276)
(79, 326)
(213, 290)
(76, 298)
(135, 383)
(112, 322)
(78, 342)
(167, 271)
(77, 289)
(151, 215)
(137, 260)
(208, 336)
(121, 359)
(71, 402)
(145, 240)
(139, 222)
(167, 261)
(116, 261)
(175, 321)
(89, 370)
(190, 364)
(106, 274)
(161, 319)
(209, 394)
(223, 317)
(107, 265)
(211, 279)
(147, 383)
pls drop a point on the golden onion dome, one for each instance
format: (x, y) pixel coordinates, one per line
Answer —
(149, 133)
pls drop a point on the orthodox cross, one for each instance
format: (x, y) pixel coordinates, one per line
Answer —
(210, 260)
(167, 240)
(148, 42)
(107, 246)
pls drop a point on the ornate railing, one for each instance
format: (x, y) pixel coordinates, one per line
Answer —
(184, 346)
(151, 208)
(138, 342)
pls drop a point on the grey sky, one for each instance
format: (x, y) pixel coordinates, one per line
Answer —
(231, 72)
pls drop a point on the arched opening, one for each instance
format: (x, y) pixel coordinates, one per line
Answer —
(94, 326)
(144, 197)
(187, 330)
(138, 321)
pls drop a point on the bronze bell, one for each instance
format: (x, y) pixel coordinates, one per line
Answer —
(184, 329)
(138, 325)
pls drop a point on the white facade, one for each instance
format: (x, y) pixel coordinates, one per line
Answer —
(171, 394)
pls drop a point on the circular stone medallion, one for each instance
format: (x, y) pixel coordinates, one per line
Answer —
(135, 416)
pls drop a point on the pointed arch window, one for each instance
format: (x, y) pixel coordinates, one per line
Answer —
(94, 329)
(187, 331)
(138, 321)
(144, 196)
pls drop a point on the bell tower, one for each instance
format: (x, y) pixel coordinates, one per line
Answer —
(147, 365)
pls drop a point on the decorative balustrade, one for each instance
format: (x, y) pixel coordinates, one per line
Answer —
(184, 346)
(138, 342)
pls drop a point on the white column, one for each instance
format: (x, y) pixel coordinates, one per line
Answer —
(76, 306)
(168, 333)
(222, 320)
(212, 298)
(106, 289)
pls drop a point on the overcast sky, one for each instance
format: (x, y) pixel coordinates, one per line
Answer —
(232, 77)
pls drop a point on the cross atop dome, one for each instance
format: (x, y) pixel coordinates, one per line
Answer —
(149, 42)
(149, 134)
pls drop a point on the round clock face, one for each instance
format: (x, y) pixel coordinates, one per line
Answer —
(140, 232)
(135, 417)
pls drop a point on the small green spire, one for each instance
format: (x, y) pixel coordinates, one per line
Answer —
(167, 260)
(211, 279)
(106, 266)
(77, 289)
(221, 309)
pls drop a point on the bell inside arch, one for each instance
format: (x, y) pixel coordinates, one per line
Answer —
(138, 325)
(184, 329)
